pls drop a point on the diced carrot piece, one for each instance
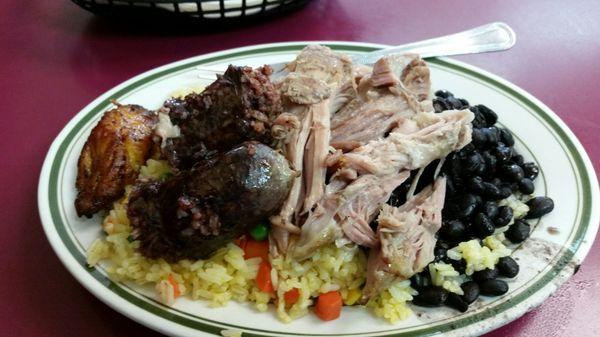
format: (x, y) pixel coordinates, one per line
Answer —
(263, 277)
(175, 285)
(291, 296)
(329, 305)
(257, 249)
(241, 242)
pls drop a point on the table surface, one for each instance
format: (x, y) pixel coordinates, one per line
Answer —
(55, 58)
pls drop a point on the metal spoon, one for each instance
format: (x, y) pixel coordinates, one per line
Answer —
(495, 36)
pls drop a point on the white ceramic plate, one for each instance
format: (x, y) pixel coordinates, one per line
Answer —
(558, 244)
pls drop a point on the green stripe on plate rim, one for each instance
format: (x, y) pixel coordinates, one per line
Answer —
(81, 133)
(214, 328)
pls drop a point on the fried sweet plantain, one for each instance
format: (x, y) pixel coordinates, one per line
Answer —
(111, 158)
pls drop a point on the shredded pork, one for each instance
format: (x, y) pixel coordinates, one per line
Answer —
(393, 91)
(437, 135)
(406, 238)
(348, 211)
(317, 82)
(365, 129)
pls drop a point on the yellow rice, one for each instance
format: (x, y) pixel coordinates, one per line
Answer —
(227, 276)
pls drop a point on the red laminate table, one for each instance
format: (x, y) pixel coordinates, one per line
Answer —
(55, 58)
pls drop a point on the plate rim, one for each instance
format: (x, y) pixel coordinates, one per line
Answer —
(101, 290)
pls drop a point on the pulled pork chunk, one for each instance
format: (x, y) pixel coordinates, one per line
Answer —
(347, 210)
(407, 239)
(315, 154)
(387, 130)
(316, 81)
(240, 105)
(408, 71)
(359, 122)
(298, 122)
(322, 64)
(437, 136)
(396, 89)
(196, 212)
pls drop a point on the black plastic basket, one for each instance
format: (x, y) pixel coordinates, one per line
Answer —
(198, 10)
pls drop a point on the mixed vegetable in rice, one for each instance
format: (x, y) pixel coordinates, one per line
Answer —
(336, 184)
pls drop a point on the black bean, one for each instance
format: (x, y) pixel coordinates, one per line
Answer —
(484, 275)
(439, 253)
(538, 207)
(467, 149)
(464, 206)
(506, 137)
(458, 185)
(444, 244)
(430, 297)
(455, 102)
(471, 291)
(513, 186)
(450, 189)
(478, 137)
(531, 170)
(492, 135)
(505, 190)
(441, 246)
(507, 267)
(478, 200)
(478, 123)
(456, 301)
(491, 191)
(490, 162)
(453, 230)
(420, 280)
(464, 102)
(464, 153)
(493, 287)
(457, 172)
(505, 214)
(441, 104)
(517, 159)
(490, 208)
(502, 152)
(459, 265)
(474, 163)
(443, 93)
(512, 172)
(479, 119)
(518, 231)
(496, 181)
(526, 186)
(490, 116)
(482, 226)
(475, 185)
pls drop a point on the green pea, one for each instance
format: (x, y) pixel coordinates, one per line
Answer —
(259, 232)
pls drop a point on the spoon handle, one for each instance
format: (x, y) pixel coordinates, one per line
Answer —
(491, 37)
(494, 36)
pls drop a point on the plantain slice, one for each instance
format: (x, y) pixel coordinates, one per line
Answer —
(111, 158)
